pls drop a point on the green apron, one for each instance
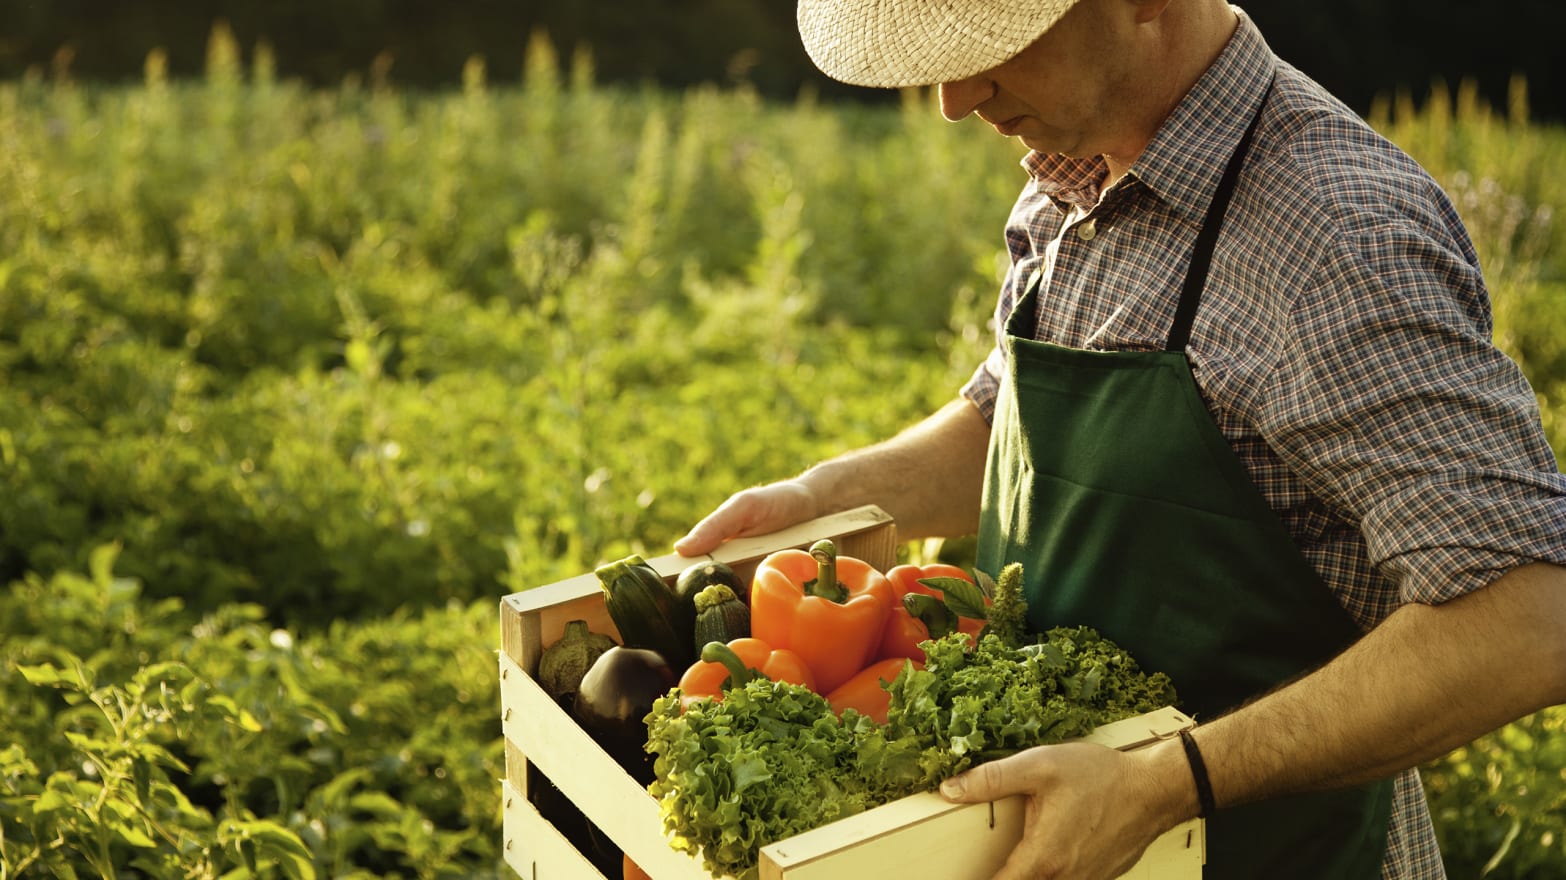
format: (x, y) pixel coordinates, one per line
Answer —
(1109, 481)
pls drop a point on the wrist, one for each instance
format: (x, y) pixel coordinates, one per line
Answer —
(1204, 786)
(1172, 792)
(805, 496)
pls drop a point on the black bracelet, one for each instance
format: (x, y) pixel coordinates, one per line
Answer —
(1204, 787)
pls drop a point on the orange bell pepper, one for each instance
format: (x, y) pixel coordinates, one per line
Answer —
(724, 666)
(826, 608)
(865, 692)
(907, 626)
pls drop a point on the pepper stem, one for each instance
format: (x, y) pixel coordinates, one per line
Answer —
(739, 674)
(825, 585)
(938, 617)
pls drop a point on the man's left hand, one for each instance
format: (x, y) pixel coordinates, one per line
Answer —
(1090, 811)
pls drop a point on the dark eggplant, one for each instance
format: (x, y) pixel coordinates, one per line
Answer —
(613, 701)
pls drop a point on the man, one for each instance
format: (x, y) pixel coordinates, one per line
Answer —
(1243, 417)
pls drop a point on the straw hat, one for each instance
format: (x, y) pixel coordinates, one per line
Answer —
(894, 43)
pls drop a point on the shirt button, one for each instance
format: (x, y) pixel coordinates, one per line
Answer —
(1087, 229)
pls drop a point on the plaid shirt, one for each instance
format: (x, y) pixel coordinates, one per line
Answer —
(1342, 344)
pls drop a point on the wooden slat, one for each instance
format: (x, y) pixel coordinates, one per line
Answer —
(922, 835)
(925, 836)
(534, 849)
(1177, 854)
(865, 533)
(1141, 730)
(585, 773)
(527, 627)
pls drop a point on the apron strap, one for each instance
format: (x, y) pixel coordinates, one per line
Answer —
(1207, 239)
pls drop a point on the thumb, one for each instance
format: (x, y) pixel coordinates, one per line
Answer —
(986, 782)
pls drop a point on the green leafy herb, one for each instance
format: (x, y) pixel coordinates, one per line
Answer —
(1008, 616)
(962, 597)
(969, 707)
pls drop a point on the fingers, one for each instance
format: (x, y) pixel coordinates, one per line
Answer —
(753, 511)
(987, 782)
(705, 536)
(1076, 822)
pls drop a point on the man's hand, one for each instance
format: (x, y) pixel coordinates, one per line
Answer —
(929, 477)
(755, 511)
(1091, 811)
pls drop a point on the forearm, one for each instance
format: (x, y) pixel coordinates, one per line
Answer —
(1426, 681)
(929, 477)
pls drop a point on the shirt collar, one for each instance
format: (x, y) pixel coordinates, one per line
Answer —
(1070, 182)
(1185, 159)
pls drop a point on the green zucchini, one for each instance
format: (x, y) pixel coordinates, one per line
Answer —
(699, 576)
(646, 611)
(720, 617)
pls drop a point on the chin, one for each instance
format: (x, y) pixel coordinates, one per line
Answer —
(1044, 145)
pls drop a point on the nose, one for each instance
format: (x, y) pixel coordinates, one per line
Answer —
(961, 97)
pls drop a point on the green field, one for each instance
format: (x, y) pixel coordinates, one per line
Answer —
(295, 384)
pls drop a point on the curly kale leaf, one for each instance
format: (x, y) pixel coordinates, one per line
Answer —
(969, 707)
(771, 760)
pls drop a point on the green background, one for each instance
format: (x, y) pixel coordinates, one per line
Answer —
(296, 382)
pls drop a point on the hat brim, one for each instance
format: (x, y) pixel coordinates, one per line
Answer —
(897, 43)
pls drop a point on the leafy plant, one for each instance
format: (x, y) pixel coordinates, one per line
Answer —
(366, 751)
(329, 369)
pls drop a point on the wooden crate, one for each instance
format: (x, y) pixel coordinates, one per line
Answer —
(918, 836)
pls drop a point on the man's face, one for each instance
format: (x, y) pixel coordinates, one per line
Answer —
(1056, 95)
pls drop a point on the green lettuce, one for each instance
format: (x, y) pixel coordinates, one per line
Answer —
(772, 760)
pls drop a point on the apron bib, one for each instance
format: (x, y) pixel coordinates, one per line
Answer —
(1130, 513)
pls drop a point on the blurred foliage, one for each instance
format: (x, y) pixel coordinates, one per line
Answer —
(1500, 804)
(334, 352)
(145, 740)
(305, 379)
(1359, 50)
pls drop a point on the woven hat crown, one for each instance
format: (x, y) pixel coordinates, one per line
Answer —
(895, 43)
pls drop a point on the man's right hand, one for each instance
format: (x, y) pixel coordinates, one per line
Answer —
(755, 511)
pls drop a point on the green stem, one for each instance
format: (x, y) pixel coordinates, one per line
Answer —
(739, 674)
(610, 572)
(825, 585)
(936, 615)
(713, 596)
(106, 868)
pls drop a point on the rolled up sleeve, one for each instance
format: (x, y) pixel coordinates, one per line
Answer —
(1393, 405)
